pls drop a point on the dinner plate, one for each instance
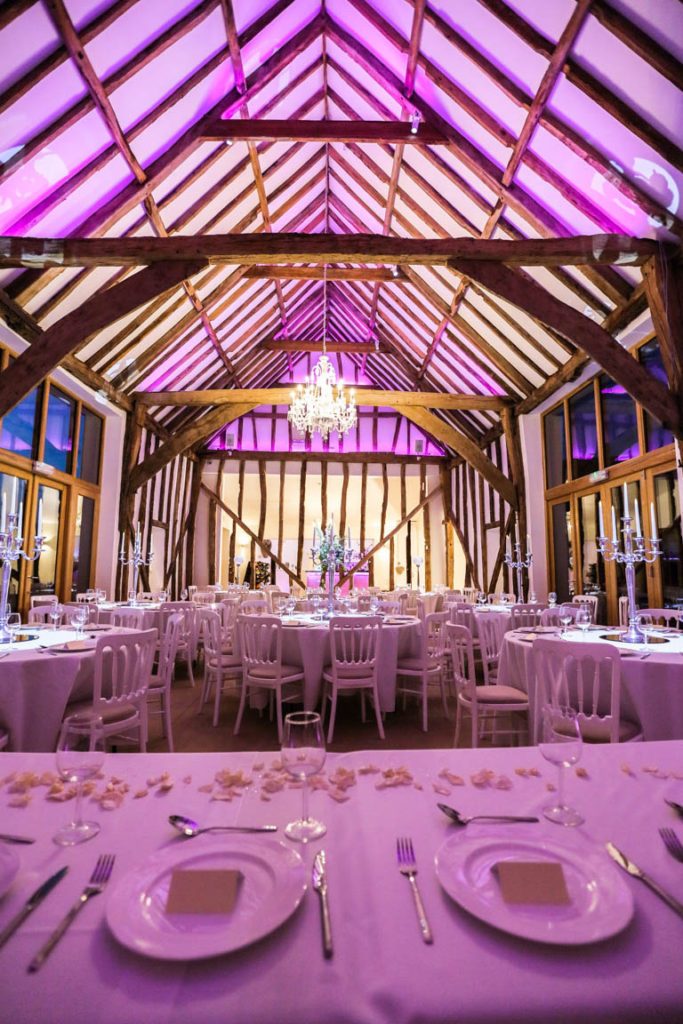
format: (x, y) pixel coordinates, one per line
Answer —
(398, 620)
(9, 866)
(272, 886)
(72, 647)
(601, 902)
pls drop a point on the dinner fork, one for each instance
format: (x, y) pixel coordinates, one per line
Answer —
(98, 880)
(407, 865)
(672, 843)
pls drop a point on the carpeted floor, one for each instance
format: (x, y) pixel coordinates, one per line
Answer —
(194, 732)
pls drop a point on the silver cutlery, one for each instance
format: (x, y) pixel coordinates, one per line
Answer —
(320, 885)
(627, 864)
(407, 865)
(31, 903)
(459, 819)
(4, 838)
(676, 807)
(672, 843)
(98, 880)
(189, 828)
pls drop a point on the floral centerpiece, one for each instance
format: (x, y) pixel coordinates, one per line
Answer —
(331, 551)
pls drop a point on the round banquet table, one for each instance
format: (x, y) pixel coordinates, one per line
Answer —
(497, 611)
(36, 686)
(148, 613)
(306, 644)
(651, 688)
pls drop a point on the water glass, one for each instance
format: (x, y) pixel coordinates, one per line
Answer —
(303, 755)
(13, 625)
(55, 613)
(80, 756)
(80, 617)
(552, 598)
(583, 620)
(566, 619)
(290, 605)
(561, 745)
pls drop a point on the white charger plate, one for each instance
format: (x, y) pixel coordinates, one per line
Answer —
(273, 885)
(601, 902)
(9, 866)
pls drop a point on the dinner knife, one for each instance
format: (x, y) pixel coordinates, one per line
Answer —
(31, 904)
(632, 869)
(320, 886)
(4, 838)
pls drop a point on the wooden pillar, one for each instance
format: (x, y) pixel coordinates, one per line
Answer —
(447, 500)
(131, 453)
(363, 500)
(516, 463)
(427, 530)
(302, 515)
(281, 512)
(344, 493)
(190, 524)
(323, 492)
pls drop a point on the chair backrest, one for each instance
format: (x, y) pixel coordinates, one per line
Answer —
(669, 617)
(589, 601)
(353, 645)
(461, 648)
(569, 608)
(260, 640)
(551, 616)
(277, 601)
(123, 666)
(254, 607)
(587, 678)
(40, 614)
(389, 607)
(229, 608)
(170, 639)
(526, 615)
(130, 618)
(492, 629)
(210, 626)
(191, 591)
(462, 614)
(434, 635)
(451, 594)
(38, 599)
(364, 600)
(470, 594)
(402, 601)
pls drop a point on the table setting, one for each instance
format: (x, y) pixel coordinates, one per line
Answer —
(368, 930)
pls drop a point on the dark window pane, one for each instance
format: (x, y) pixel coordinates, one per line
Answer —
(618, 506)
(19, 426)
(59, 430)
(656, 436)
(85, 519)
(668, 509)
(619, 422)
(584, 433)
(593, 564)
(13, 499)
(555, 448)
(89, 441)
(563, 554)
(44, 569)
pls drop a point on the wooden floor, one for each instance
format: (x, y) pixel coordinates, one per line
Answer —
(194, 732)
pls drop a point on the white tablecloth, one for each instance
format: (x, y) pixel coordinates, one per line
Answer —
(651, 689)
(382, 972)
(308, 646)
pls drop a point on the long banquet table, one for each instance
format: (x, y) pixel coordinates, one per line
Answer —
(381, 972)
(651, 680)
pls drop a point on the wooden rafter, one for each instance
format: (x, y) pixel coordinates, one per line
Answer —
(281, 396)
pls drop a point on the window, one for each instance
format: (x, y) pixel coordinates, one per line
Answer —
(85, 524)
(44, 576)
(563, 551)
(20, 426)
(13, 499)
(584, 434)
(555, 448)
(89, 443)
(668, 510)
(633, 488)
(619, 422)
(656, 436)
(59, 430)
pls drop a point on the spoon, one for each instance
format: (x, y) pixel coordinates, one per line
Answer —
(190, 828)
(677, 807)
(458, 818)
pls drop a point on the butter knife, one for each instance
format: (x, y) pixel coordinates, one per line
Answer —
(627, 864)
(31, 904)
(320, 885)
(4, 838)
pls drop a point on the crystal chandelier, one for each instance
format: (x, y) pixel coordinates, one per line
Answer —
(321, 405)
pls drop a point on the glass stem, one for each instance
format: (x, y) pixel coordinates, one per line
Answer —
(79, 805)
(560, 785)
(304, 800)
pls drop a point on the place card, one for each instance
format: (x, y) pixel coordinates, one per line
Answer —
(203, 891)
(532, 881)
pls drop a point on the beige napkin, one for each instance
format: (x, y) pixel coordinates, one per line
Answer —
(203, 891)
(532, 881)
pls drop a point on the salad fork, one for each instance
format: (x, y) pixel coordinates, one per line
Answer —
(98, 880)
(672, 843)
(407, 865)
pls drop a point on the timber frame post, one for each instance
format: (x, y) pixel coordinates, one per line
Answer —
(516, 463)
(131, 452)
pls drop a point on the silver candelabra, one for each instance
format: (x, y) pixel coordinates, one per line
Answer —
(330, 552)
(635, 549)
(11, 551)
(519, 564)
(136, 560)
(418, 561)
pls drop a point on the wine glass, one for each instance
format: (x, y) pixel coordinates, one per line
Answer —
(290, 605)
(583, 620)
(552, 598)
(315, 601)
(55, 613)
(561, 745)
(13, 625)
(303, 754)
(79, 617)
(566, 619)
(80, 756)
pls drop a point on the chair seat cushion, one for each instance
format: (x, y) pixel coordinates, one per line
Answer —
(227, 661)
(417, 665)
(270, 672)
(597, 730)
(497, 694)
(119, 714)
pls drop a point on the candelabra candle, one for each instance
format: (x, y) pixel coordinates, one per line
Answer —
(329, 553)
(519, 564)
(136, 560)
(11, 551)
(636, 549)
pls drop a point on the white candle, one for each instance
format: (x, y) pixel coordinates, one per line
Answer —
(601, 521)
(653, 521)
(20, 517)
(615, 535)
(39, 529)
(122, 551)
(627, 511)
(13, 503)
(528, 543)
(2, 513)
(639, 532)
(137, 532)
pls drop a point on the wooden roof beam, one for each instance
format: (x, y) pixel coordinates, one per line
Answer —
(393, 132)
(398, 400)
(350, 347)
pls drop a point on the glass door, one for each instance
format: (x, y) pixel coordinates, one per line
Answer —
(13, 498)
(562, 550)
(667, 571)
(50, 508)
(591, 564)
(82, 555)
(616, 505)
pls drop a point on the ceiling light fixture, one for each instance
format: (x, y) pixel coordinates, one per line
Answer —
(415, 122)
(321, 404)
